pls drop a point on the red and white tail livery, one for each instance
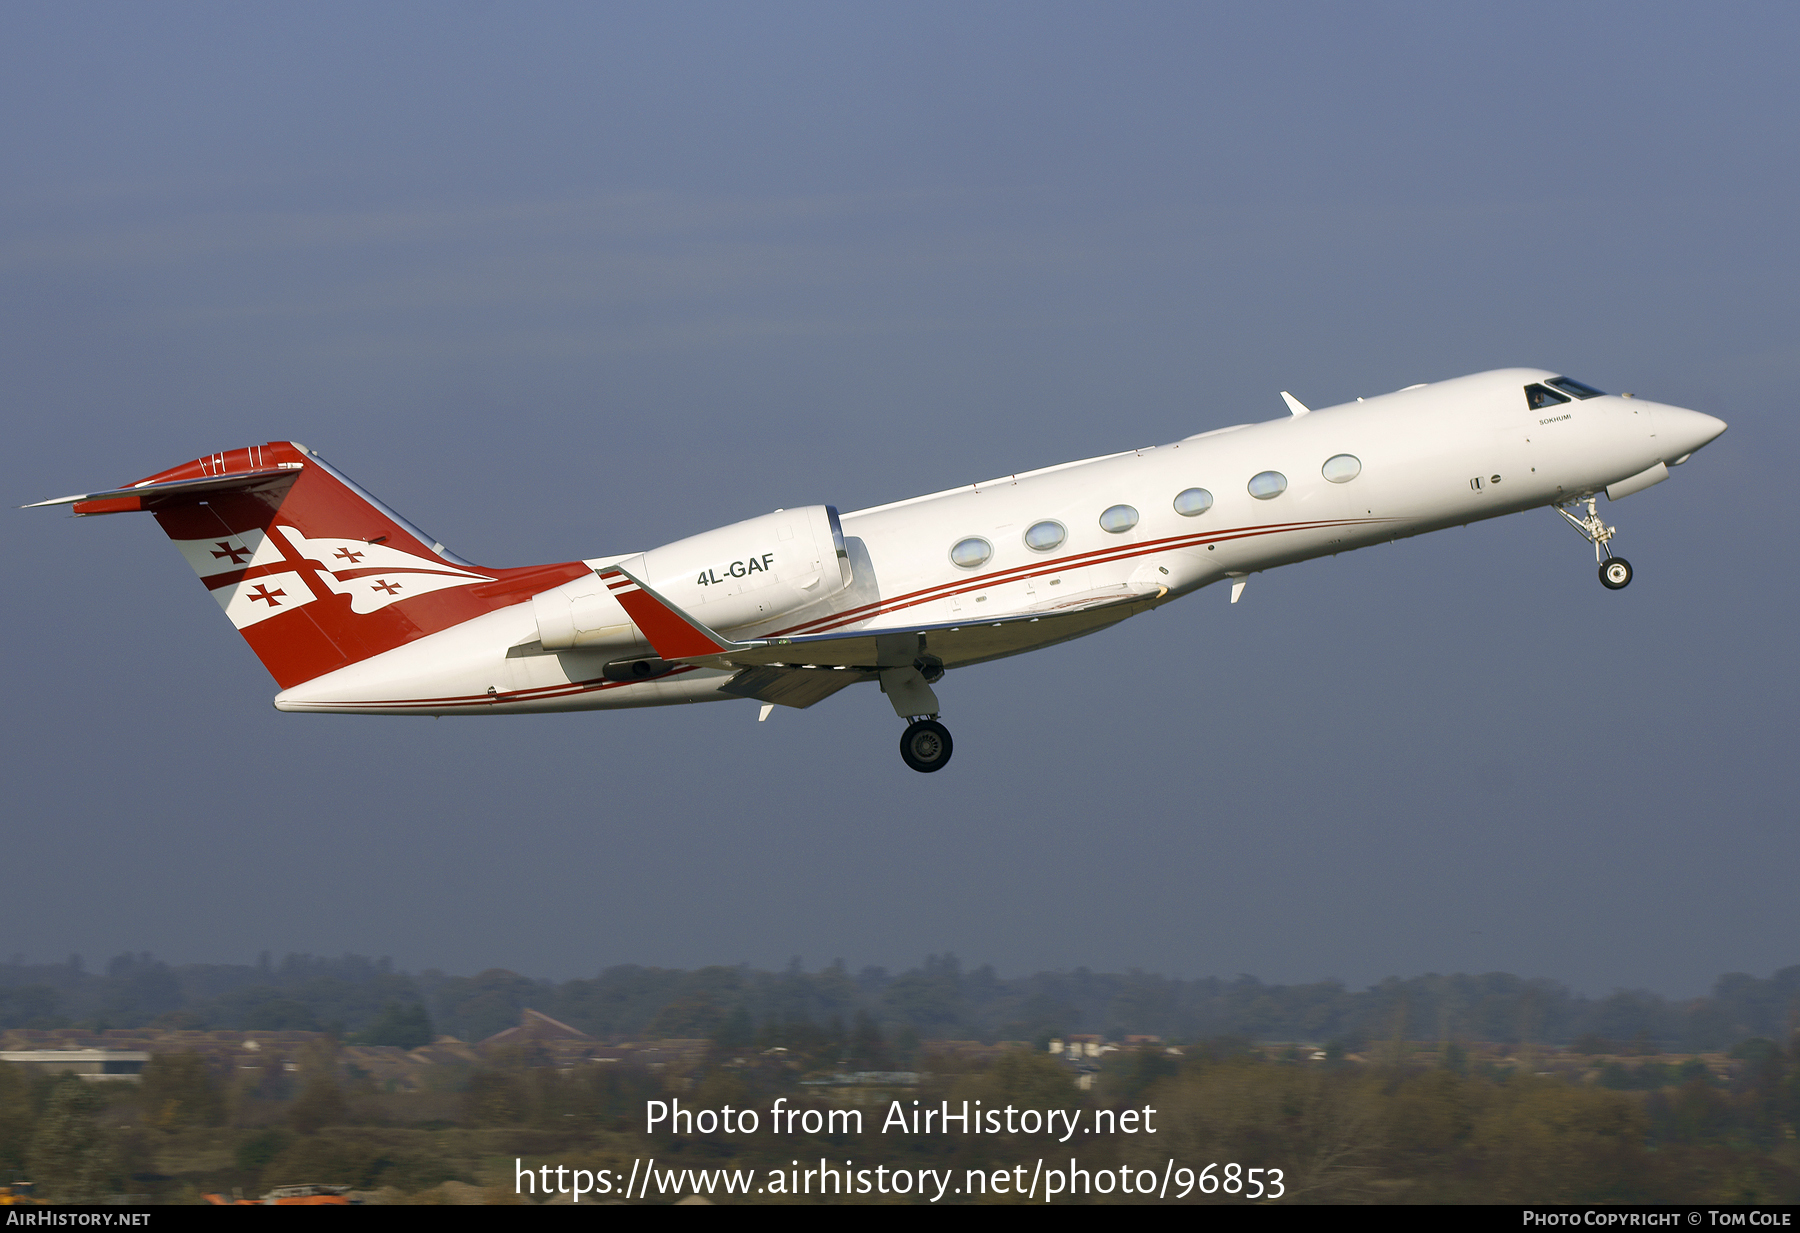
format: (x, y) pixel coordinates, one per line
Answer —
(354, 610)
(315, 573)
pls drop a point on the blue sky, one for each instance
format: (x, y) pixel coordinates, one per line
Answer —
(559, 280)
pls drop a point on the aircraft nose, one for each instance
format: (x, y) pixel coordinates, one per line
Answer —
(1685, 431)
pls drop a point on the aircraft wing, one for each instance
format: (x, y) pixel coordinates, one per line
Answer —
(795, 687)
(802, 670)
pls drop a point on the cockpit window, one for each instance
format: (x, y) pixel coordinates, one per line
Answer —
(1537, 397)
(1572, 386)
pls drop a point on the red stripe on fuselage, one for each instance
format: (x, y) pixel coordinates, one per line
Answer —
(1082, 560)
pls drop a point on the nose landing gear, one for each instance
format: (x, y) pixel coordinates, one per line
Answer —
(926, 745)
(1615, 572)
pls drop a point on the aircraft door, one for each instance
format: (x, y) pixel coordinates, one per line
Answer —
(1503, 474)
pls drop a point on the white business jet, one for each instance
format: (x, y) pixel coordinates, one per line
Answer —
(354, 610)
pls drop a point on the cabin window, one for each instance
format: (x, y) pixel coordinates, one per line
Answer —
(1192, 502)
(1341, 468)
(1045, 535)
(971, 553)
(1537, 397)
(1268, 484)
(1118, 519)
(1570, 386)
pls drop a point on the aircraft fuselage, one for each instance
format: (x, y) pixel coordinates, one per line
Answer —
(1023, 561)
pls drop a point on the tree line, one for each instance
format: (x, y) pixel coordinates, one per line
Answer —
(939, 999)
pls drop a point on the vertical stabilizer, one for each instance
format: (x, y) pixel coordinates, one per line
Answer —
(314, 572)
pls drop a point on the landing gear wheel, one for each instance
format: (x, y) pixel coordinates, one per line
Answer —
(1615, 573)
(926, 745)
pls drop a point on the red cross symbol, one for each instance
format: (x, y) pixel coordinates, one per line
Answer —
(382, 584)
(236, 554)
(262, 592)
(346, 554)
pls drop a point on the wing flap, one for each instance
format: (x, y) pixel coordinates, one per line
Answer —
(955, 644)
(795, 687)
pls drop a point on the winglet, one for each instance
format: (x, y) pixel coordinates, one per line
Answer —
(673, 634)
(1294, 404)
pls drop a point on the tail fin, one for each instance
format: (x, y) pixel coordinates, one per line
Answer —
(312, 570)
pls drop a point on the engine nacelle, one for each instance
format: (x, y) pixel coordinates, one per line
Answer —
(752, 572)
(745, 574)
(584, 615)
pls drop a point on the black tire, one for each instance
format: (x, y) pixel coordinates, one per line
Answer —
(926, 746)
(1615, 573)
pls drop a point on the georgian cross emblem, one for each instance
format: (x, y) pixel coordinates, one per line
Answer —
(370, 574)
(262, 592)
(237, 555)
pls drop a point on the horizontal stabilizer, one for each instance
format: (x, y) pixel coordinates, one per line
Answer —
(131, 500)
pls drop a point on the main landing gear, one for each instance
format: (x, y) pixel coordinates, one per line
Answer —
(1615, 572)
(926, 745)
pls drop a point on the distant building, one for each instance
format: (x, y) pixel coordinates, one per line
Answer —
(95, 1065)
(1082, 1046)
(866, 1078)
(535, 1028)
